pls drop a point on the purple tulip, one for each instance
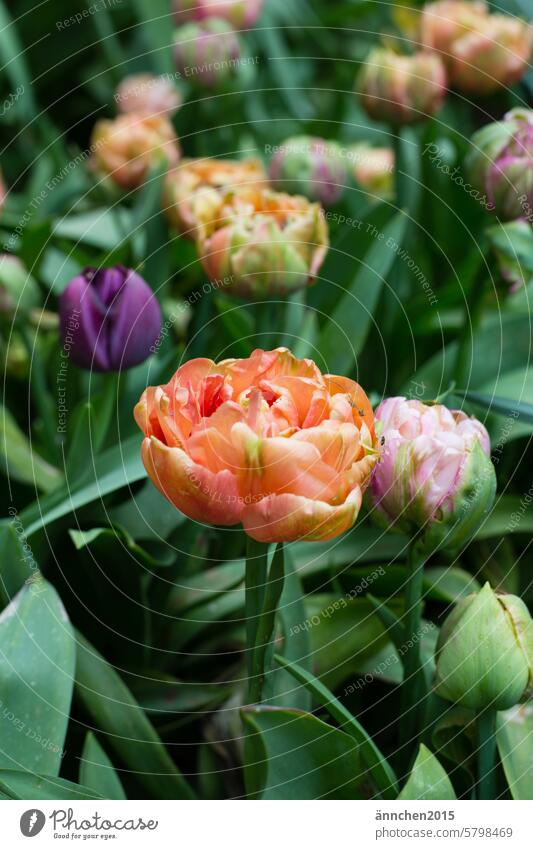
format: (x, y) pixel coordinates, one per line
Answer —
(110, 319)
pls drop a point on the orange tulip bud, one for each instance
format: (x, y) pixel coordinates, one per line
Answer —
(268, 441)
(126, 148)
(194, 187)
(265, 242)
(401, 89)
(482, 52)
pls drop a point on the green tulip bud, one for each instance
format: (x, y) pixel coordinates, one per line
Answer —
(485, 652)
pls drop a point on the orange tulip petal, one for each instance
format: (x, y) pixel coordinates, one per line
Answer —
(285, 518)
(199, 493)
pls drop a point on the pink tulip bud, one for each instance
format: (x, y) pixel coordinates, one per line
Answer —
(267, 441)
(238, 13)
(207, 54)
(195, 186)
(265, 243)
(310, 166)
(500, 164)
(401, 89)
(435, 476)
(147, 95)
(126, 148)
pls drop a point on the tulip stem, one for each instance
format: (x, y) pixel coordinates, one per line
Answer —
(104, 411)
(255, 581)
(486, 731)
(263, 592)
(473, 312)
(413, 693)
(41, 396)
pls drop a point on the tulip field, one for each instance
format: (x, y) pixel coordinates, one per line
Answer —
(267, 407)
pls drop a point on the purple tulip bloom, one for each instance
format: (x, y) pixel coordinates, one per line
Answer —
(110, 319)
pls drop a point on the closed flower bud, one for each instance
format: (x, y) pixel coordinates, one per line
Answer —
(485, 652)
(147, 95)
(126, 148)
(310, 166)
(401, 89)
(373, 168)
(207, 54)
(266, 243)
(195, 186)
(110, 319)
(268, 441)
(445, 21)
(18, 290)
(435, 478)
(239, 13)
(500, 164)
(493, 55)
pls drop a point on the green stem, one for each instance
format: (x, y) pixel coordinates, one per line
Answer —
(486, 730)
(255, 581)
(413, 692)
(43, 400)
(273, 588)
(106, 408)
(473, 312)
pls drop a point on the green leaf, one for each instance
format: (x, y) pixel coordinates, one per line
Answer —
(100, 228)
(362, 545)
(344, 633)
(508, 516)
(25, 785)
(265, 624)
(97, 772)
(17, 562)
(392, 623)
(190, 592)
(156, 28)
(37, 657)
(514, 735)
(115, 468)
(304, 757)
(344, 335)
(148, 231)
(428, 779)
(129, 732)
(521, 410)
(296, 642)
(13, 58)
(20, 461)
(501, 345)
(449, 583)
(381, 772)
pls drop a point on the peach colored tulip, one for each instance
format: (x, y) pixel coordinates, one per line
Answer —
(147, 95)
(264, 242)
(268, 441)
(445, 21)
(482, 52)
(127, 147)
(197, 183)
(496, 54)
(401, 89)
